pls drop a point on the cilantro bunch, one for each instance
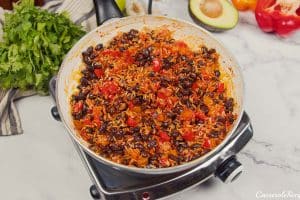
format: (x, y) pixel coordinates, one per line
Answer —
(35, 42)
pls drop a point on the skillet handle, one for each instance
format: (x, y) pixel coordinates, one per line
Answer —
(105, 10)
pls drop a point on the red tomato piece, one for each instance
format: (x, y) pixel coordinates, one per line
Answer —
(164, 137)
(206, 143)
(200, 115)
(109, 89)
(189, 136)
(181, 44)
(78, 107)
(97, 121)
(131, 122)
(221, 88)
(99, 72)
(163, 93)
(130, 105)
(87, 122)
(156, 65)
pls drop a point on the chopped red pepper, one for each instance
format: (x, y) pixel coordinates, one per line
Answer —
(181, 44)
(78, 106)
(130, 105)
(221, 88)
(164, 137)
(278, 16)
(163, 93)
(87, 122)
(189, 136)
(110, 89)
(156, 65)
(131, 122)
(206, 143)
(200, 115)
(99, 72)
(109, 52)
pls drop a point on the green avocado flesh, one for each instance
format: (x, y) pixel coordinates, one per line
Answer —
(227, 19)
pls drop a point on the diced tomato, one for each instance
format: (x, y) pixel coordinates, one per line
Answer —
(131, 122)
(156, 65)
(111, 53)
(130, 105)
(78, 107)
(187, 115)
(128, 57)
(164, 137)
(200, 115)
(206, 143)
(221, 88)
(189, 136)
(163, 93)
(110, 89)
(99, 72)
(181, 44)
(87, 122)
(84, 135)
(195, 86)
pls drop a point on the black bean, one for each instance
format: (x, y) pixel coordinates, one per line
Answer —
(165, 125)
(87, 60)
(136, 129)
(195, 146)
(99, 47)
(214, 134)
(171, 115)
(103, 127)
(201, 63)
(119, 134)
(144, 154)
(90, 68)
(172, 157)
(137, 137)
(84, 81)
(133, 32)
(138, 100)
(89, 50)
(152, 143)
(212, 51)
(145, 53)
(138, 146)
(217, 73)
(151, 74)
(175, 133)
(122, 49)
(80, 96)
(204, 108)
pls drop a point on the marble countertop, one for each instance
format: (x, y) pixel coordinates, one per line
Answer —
(43, 164)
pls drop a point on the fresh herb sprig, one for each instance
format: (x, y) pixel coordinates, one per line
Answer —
(35, 43)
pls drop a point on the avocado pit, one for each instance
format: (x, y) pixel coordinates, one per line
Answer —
(211, 8)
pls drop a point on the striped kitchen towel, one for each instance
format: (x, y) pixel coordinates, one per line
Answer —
(81, 12)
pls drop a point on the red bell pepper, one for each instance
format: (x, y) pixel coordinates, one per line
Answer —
(279, 16)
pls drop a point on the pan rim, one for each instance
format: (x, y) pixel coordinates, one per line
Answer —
(152, 171)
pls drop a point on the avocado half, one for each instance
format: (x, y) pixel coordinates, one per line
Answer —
(214, 15)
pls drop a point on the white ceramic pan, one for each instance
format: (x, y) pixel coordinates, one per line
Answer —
(193, 35)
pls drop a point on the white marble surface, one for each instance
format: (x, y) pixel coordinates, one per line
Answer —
(42, 163)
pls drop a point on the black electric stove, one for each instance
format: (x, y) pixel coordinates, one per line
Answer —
(112, 184)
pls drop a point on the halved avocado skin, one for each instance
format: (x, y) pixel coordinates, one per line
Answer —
(208, 26)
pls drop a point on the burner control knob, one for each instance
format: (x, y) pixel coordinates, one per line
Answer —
(229, 170)
(94, 192)
(55, 113)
